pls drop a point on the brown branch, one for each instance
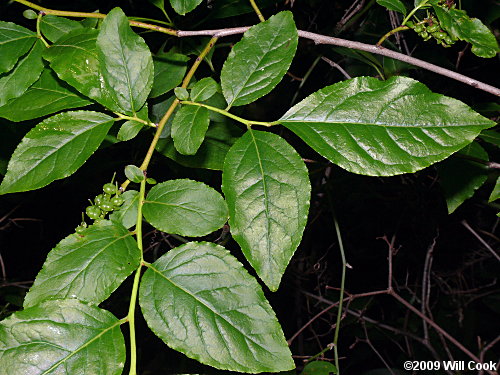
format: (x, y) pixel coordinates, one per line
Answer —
(323, 39)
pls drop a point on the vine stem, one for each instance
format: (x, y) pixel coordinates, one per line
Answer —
(39, 32)
(392, 32)
(257, 10)
(316, 38)
(135, 287)
(248, 123)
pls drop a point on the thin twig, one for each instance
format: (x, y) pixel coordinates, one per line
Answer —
(480, 239)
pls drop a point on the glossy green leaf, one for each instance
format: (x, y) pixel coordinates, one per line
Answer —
(491, 136)
(55, 149)
(201, 301)
(460, 177)
(88, 266)
(63, 337)
(134, 174)
(184, 6)
(126, 215)
(15, 41)
(27, 70)
(212, 152)
(395, 5)
(267, 189)
(204, 89)
(74, 59)
(459, 25)
(189, 127)
(319, 368)
(46, 96)
(169, 70)
(258, 62)
(495, 194)
(54, 27)
(185, 207)
(130, 129)
(383, 128)
(181, 93)
(125, 62)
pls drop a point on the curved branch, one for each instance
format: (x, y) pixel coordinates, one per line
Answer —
(323, 39)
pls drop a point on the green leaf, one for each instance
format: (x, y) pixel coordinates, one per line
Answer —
(46, 96)
(15, 41)
(459, 25)
(383, 128)
(54, 27)
(181, 93)
(201, 301)
(185, 207)
(212, 152)
(319, 368)
(204, 89)
(134, 174)
(267, 189)
(131, 128)
(74, 59)
(125, 62)
(184, 6)
(460, 178)
(55, 149)
(169, 70)
(395, 5)
(126, 215)
(495, 194)
(14, 83)
(88, 266)
(189, 127)
(254, 67)
(66, 337)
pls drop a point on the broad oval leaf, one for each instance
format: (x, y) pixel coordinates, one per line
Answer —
(459, 25)
(383, 128)
(204, 89)
(63, 337)
(14, 83)
(460, 178)
(46, 96)
(54, 27)
(258, 62)
(201, 301)
(126, 215)
(74, 59)
(184, 6)
(185, 207)
(126, 63)
(189, 127)
(88, 266)
(395, 5)
(55, 149)
(15, 41)
(169, 69)
(267, 190)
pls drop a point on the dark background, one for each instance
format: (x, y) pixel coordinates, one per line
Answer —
(408, 210)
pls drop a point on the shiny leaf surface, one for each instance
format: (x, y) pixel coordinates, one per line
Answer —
(184, 6)
(189, 127)
(15, 41)
(395, 5)
(126, 215)
(169, 69)
(54, 27)
(204, 89)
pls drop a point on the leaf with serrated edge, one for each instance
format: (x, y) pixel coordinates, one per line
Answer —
(184, 6)
(185, 207)
(65, 337)
(201, 301)
(55, 149)
(54, 27)
(89, 265)
(267, 190)
(258, 62)
(46, 96)
(15, 41)
(74, 59)
(126, 215)
(24, 74)
(383, 128)
(189, 127)
(125, 62)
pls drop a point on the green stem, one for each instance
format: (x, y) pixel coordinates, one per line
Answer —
(248, 123)
(39, 31)
(65, 13)
(175, 103)
(134, 118)
(393, 31)
(257, 10)
(414, 10)
(135, 287)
